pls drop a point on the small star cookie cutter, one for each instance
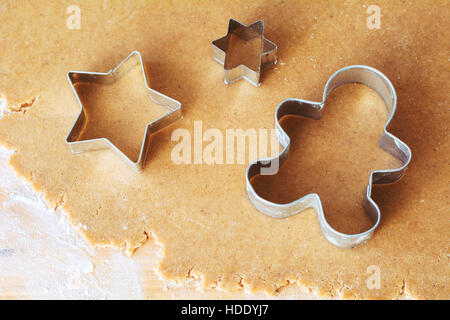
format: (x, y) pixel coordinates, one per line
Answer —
(352, 74)
(235, 71)
(78, 146)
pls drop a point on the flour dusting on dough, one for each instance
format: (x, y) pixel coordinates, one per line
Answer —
(45, 255)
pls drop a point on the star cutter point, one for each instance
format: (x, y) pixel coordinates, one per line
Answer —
(375, 80)
(79, 146)
(237, 71)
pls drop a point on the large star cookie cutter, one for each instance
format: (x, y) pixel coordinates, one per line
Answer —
(352, 74)
(78, 146)
(236, 70)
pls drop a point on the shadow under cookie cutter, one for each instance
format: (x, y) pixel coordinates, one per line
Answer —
(234, 72)
(78, 146)
(352, 74)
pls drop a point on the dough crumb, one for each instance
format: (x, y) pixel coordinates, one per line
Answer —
(23, 107)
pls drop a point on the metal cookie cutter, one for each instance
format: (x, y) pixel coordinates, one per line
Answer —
(78, 146)
(352, 74)
(235, 71)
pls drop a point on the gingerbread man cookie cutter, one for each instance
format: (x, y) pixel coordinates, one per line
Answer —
(77, 145)
(352, 74)
(235, 71)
